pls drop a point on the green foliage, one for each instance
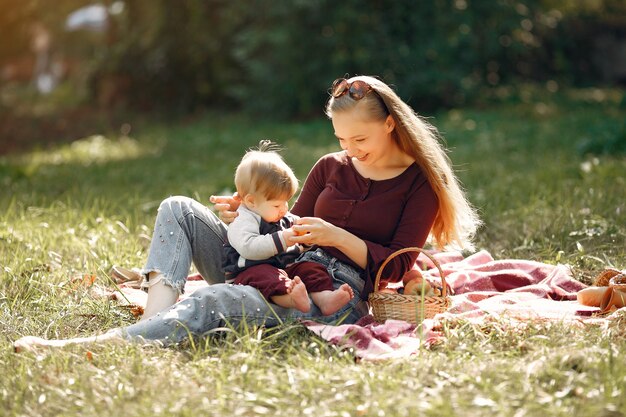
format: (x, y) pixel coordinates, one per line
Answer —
(279, 58)
(173, 55)
(605, 142)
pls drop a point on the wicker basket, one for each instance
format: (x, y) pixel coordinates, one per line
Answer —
(618, 281)
(603, 279)
(410, 308)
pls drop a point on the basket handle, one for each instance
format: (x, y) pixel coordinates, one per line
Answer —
(444, 288)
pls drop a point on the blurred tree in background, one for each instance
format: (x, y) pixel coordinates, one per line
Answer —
(278, 58)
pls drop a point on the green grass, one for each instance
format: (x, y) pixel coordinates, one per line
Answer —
(79, 208)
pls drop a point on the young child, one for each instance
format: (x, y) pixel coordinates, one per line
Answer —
(259, 252)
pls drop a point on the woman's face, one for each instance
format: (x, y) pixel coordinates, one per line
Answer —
(368, 141)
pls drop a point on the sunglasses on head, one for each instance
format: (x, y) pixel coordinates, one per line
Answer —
(356, 89)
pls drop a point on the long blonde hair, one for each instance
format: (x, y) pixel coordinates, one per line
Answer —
(456, 220)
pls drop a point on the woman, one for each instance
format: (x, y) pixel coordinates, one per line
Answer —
(391, 187)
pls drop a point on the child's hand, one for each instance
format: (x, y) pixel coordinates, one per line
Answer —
(288, 235)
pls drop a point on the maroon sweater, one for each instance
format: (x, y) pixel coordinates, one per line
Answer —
(388, 214)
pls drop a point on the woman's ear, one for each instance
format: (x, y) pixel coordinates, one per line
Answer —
(390, 124)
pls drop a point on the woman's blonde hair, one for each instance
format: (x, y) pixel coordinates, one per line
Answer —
(263, 172)
(456, 220)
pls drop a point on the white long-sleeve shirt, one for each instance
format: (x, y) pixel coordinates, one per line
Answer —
(252, 241)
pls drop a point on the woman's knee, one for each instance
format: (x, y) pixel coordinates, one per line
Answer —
(174, 201)
(175, 206)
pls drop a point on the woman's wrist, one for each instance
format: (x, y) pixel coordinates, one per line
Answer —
(352, 246)
(342, 238)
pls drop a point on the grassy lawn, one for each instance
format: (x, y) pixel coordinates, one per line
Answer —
(79, 208)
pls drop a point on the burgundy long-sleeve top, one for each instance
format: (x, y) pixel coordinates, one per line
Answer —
(388, 214)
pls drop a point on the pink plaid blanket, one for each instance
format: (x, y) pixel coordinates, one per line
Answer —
(482, 288)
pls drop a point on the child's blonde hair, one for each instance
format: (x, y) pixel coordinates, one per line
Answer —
(456, 220)
(263, 172)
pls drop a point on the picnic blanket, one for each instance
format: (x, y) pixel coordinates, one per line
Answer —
(483, 288)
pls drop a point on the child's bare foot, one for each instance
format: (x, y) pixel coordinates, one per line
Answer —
(297, 296)
(329, 302)
(300, 296)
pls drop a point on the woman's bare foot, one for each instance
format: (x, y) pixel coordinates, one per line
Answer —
(330, 302)
(297, 296)
(32, 343)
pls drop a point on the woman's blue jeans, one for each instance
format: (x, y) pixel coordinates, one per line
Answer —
(186, 231)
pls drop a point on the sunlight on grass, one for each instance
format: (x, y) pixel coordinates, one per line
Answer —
(92, 150)
(76, 210)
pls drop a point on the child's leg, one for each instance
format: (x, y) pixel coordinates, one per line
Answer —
(275, 285)
(320, 286)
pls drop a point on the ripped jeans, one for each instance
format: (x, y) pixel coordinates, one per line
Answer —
(186, 231)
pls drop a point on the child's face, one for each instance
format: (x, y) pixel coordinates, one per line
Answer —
(269, 210)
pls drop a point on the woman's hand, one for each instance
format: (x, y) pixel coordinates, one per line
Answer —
(315, 231)
(226, 206)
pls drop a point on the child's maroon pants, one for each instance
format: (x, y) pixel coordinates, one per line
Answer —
(270, 280)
